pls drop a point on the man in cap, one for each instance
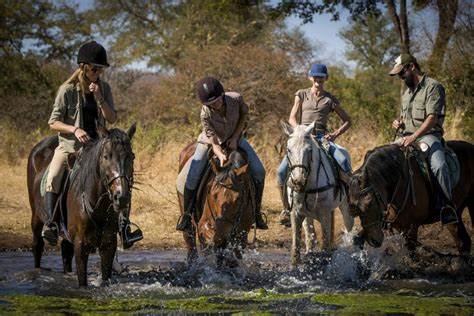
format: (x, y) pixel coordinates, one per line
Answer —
(421, 121)
(223, 118)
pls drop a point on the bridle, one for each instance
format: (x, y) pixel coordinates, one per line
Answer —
(306, 169)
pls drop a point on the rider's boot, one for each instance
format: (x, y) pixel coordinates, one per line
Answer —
(285, 218)
(50, 231)
(259, 221)
(129, 237)
(185, 221)
(448, 214)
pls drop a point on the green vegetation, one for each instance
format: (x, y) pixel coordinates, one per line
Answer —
(250, 302)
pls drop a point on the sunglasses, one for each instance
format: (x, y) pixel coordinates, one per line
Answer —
(96, 69)
(403, 71)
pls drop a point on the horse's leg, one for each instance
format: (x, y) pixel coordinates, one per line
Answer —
(82, 256)
(327, 228)
(67, 252)
(310, 235)
(38, 243)
(460, 235)
(107, 249)
(411, 239)
(346, 216)
(296, 222)
(190, 241)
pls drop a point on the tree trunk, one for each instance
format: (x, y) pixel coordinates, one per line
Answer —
(447, 12)
(401, 23)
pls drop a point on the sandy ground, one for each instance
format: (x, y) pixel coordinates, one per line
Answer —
(155, 210)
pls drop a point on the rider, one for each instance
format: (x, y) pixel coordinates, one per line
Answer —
(314, 104)
(223, 117)
(83, 102)
(421, 120)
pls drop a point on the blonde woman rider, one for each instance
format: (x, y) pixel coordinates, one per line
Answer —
(315, 105)
(82, 103)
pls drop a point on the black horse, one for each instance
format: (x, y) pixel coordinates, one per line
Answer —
(98, 196)
(390, 190)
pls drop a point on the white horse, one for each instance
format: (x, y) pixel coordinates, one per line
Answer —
(311, 188)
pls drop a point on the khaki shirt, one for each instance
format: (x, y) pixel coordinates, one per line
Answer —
(316, 109)
(427, 98)
(68, 107)
(222, 127)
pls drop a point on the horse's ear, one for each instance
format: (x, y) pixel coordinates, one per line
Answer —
(131, 131)
(309, 129)
(102, 131)
(287, 128)
(242, 170)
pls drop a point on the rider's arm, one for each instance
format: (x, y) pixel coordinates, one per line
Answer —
(346, 121)
(58, 115)
(210, 133)
(243, 111)
(105, 102)
(293, 120)
(427, 125)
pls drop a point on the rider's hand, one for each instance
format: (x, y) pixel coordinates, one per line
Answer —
(330, 136)
(397, 123)
(82, 136)
(408, 140)
(232, 143)
(95, 89)
(222, 158)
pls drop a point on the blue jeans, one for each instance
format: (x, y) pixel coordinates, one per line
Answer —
(438, 163)
(340, 154)
(199, 161)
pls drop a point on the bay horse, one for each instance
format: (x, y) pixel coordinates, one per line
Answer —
(311, 188)
(98, 196)
(225, 208)
(384, 194)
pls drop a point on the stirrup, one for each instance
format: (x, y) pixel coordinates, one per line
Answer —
(285, 218)
(47, 234)
(453, 219)
(128, 239)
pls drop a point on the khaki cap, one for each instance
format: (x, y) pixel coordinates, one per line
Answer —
(400, 62)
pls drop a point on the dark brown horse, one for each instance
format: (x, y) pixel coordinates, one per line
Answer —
(382, 195)
(228, 208)
(98, 194)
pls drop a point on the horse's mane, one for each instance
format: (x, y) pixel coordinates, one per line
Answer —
(237, 159)
(384, 162)
(88, 172)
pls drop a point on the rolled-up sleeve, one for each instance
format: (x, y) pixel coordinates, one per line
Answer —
(108, 96)
(435, 100)
(59, 107)
(206, 122)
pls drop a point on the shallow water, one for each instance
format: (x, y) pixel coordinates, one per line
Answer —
(382, 280)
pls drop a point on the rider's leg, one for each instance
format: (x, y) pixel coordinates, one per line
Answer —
(198, 163)
(285, 219)
(440, 169)
(258, 174)
(53, 187)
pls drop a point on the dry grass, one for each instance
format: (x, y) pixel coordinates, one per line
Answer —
(155, 207)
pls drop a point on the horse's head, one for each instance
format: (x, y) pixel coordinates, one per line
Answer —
(299, 154)
(365, 202)
(116, 165)
(229, 192)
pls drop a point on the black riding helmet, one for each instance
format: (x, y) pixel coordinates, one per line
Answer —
(208, 90)
(92, 53)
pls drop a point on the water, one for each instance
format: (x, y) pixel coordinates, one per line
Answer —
(382, 280)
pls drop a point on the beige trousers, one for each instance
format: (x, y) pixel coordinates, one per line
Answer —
(56, 169)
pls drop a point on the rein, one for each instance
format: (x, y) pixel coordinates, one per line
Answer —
(382, 220)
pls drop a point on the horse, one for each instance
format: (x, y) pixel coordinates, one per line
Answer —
(311, 188)
(390, 191)
(98, 196)
(227, 201)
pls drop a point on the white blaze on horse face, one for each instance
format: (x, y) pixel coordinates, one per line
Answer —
(299, 156)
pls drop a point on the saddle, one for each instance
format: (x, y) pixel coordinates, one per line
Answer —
(419, 153)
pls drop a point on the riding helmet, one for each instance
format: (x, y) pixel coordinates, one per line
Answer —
(92, 53)
(208, 90)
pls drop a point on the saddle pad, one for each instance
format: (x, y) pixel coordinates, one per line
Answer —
(451, 160)
(43, 182)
